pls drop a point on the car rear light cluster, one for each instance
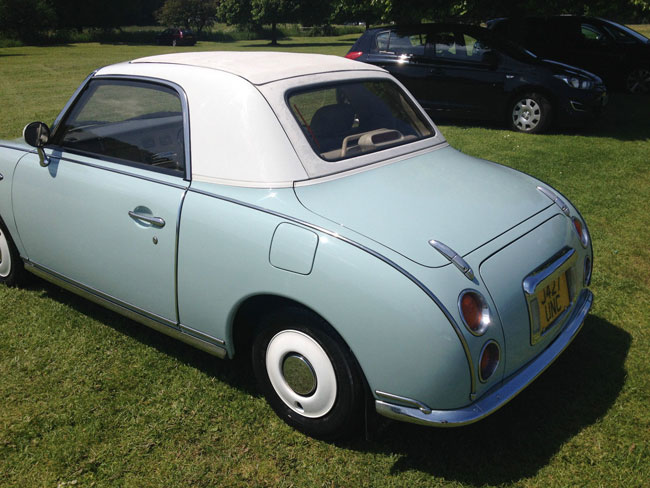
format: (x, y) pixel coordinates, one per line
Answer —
(581, 229)
(490, 356)
(475, 312)
(354, 54)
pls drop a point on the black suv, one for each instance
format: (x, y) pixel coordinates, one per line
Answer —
(618, 54)
(466, 71)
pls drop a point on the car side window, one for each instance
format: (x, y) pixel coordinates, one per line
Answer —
(382, 41)
(407, 44)
(127, 121)
(592, 33)
(443, 45)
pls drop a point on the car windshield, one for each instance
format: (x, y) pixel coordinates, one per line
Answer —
(623, 33)
(348, 119)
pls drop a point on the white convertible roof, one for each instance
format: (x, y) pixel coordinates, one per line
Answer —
(260, 67)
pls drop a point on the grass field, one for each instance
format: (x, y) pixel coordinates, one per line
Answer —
(92, 399)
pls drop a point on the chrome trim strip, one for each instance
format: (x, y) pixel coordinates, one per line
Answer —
(176, 247)
(201, 335)
(532, 281)
(155, 221)
(502, 393)
(408, 401)
(381, 257)
(150, 320)
(556, 200)
(115, 170)
(85, 290)
(454, 258)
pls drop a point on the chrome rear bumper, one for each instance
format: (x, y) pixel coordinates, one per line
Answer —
(502, 393)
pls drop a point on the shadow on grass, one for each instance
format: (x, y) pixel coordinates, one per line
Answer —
(521, 438)
(626, 118)
(510, 445)
(237, 373)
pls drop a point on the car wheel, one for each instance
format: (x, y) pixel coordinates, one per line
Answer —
(11, 266)
(307, 374)
(638, 81)
(530, 112)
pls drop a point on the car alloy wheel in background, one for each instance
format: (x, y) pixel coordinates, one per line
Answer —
(530, 113)
(638, 81)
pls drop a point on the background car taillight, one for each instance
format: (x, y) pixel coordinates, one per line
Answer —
(354, 54)
(475, 311)
(489, 361)
(581, 229)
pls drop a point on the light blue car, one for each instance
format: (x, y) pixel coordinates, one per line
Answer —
(305, 211)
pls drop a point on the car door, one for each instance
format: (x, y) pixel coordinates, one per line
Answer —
(401, 53)
(463, 78)
(101, 210)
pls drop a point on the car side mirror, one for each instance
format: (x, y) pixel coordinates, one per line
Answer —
(37, 134)
(490, 58)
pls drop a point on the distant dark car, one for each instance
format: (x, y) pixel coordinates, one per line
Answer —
(616, 53)
(468, 72)
(176, 37)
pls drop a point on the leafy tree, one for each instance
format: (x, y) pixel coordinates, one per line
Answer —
(273, 12)
(191, 14)
(26, 19)
(366, 11)
(235, 12)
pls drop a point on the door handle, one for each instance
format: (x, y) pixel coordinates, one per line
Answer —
(155, 221)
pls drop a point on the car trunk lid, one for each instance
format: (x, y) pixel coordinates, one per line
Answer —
(442, 195)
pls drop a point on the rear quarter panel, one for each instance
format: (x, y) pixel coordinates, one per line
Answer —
(401, 339)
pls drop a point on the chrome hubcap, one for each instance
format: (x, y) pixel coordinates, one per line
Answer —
(526, 114)
(638, 81)
(299, 374)
(5, 260)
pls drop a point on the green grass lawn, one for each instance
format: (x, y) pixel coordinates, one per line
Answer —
(89, 398)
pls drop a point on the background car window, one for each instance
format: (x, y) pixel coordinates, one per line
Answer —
(382, 41)
(132, 121)
(591, 32)
(443, 44)
(348, 119)
(407, 44)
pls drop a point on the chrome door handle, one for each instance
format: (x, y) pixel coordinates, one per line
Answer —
(155, 221)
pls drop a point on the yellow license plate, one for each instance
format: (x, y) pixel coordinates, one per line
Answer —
(553, 299)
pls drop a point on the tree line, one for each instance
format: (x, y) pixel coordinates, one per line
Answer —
(29, 20)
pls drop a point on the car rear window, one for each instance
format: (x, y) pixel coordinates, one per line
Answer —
(348, 119)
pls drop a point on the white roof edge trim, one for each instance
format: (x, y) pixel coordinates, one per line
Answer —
(246, 184)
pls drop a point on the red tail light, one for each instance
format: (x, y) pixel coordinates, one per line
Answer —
(475, 312)
(354, 54)
(489, 360)
(582, 232)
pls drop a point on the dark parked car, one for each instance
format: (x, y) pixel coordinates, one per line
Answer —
(467, 71)
(176, 37)
(616, 53)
